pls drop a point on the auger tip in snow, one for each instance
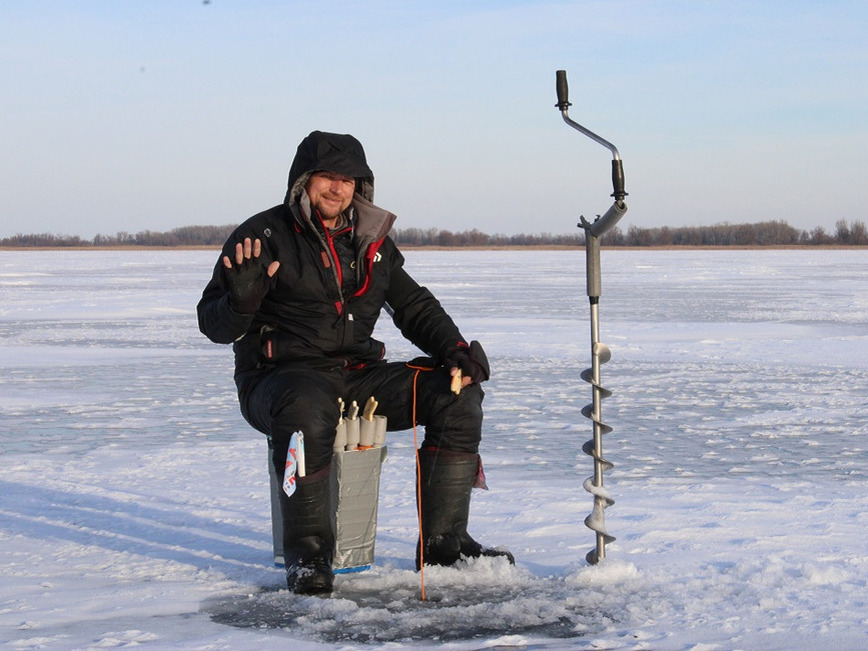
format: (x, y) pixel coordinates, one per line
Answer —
(600, 353)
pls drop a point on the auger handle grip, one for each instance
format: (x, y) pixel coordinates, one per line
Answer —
(618, 180)
(562, 89)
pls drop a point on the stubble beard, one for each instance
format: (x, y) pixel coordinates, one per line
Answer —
(327, 210)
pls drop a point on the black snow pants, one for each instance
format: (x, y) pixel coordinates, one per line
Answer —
(297, 397)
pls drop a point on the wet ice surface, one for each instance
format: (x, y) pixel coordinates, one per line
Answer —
(135, 503)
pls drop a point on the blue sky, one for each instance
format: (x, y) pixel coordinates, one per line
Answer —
(122, 115)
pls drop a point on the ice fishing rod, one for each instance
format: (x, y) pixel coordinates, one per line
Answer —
(600, 353)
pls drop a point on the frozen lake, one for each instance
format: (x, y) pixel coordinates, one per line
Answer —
(739, 384)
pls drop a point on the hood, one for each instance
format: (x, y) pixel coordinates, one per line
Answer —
(329, 152)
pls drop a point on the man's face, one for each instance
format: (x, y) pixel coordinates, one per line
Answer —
(330, 193)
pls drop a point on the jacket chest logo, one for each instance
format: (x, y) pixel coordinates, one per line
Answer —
(377, 258)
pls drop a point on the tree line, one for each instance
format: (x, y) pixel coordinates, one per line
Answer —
(768, 233)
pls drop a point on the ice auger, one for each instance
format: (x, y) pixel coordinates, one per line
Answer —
(600, 353)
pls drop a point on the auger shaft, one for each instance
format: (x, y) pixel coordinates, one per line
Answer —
(596, 521)
(597, 407)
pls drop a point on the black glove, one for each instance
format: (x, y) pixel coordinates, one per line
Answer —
(247, 283)
(470, 359)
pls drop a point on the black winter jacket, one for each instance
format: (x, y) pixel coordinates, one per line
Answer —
(305, 316)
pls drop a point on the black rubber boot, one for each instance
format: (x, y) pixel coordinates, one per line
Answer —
(308, 535)
(446, 482)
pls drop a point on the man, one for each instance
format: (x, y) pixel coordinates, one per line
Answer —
(297, 291)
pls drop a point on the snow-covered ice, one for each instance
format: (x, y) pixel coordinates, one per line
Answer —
(134, 507)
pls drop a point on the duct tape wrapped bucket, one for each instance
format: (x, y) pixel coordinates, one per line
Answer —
(355, 495)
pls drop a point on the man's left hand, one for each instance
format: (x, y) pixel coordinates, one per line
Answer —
(470, 360)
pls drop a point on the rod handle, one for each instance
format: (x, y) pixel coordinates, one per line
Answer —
(562, 89)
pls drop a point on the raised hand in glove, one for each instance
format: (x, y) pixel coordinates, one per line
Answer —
(470, 360)
(247, 277)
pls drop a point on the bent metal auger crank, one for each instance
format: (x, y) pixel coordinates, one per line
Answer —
(600, 353)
